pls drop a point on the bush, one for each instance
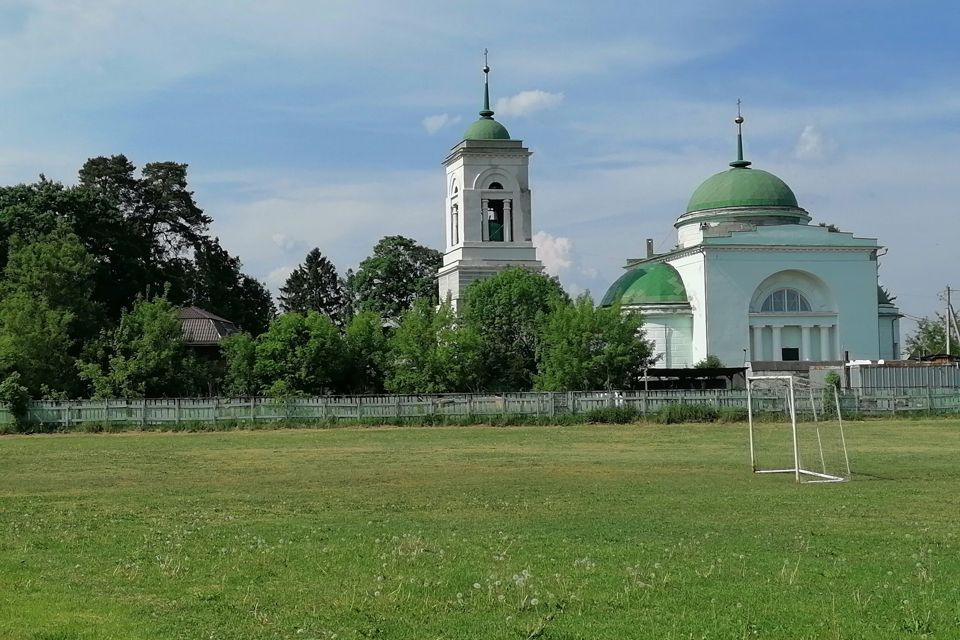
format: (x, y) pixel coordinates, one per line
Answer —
(611, 415)
(675, 413)
(832, 379)
(17, 398)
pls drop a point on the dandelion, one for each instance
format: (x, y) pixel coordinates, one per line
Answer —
(476, 585)
(534, 602)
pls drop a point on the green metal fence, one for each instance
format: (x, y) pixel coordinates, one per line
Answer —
(358, 408)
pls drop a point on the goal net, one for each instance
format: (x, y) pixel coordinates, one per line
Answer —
(796, 428)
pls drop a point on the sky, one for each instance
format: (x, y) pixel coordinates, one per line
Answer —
(324, 123)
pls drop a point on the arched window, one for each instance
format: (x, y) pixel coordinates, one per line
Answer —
(495, 185)
(785, 301)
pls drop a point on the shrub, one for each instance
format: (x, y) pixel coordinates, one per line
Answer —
(832, 378)
(17, 398)
(675, 413)
(611, 415)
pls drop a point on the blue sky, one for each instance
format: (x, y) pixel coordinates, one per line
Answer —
(324, 123)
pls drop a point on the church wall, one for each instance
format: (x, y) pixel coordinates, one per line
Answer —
(733, 276)
(889, 326)
(670, 335)
(691, 271)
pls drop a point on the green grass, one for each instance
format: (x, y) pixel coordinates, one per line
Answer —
(522, 532)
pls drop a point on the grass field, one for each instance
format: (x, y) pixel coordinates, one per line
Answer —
(554, 533)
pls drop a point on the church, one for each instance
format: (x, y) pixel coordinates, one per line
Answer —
(749, 281)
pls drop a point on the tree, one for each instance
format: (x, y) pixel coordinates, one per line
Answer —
(931, 338)
(55, 267)
(167, 211)
(314, 286)
(220, 286)
(507, 312)
(399, 272)
(366, 351)
(35, 342)
(585, 348)
(300, 354)
(431, 353)
(144, 357)
(710, 362)
(240, 355)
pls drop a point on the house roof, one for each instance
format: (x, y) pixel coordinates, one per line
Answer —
(202, 328)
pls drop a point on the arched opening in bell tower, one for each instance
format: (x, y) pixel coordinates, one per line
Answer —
(496, 216)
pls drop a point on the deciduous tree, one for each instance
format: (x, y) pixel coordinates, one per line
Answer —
(584, 347)
(399, 272)
(507, 312)
(931, 338)
(145, 356)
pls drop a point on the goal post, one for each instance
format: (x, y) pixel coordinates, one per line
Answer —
(795, 427)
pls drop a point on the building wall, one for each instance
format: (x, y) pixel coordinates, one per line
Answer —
(691, 270)
(889, 328)
(733, 275)
(670, 334)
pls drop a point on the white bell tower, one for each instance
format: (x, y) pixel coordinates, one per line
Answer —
(488, 217)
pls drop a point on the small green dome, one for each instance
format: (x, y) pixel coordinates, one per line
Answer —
(486, 128)
(742, 187)
(657, 283)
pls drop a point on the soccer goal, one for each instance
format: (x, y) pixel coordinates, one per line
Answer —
(796, 428)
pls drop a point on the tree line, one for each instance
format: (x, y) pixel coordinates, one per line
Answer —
(515, 331)
(92, 276)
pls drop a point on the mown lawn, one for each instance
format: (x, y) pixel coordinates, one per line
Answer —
(574, 532)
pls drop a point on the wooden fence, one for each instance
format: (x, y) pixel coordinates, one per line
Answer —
(359, 408)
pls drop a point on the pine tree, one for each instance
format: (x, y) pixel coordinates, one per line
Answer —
(314, 286)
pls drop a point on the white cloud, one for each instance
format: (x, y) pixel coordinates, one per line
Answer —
(434, 123)
(277, 277)
(285, 242)
(555, 253)
(527, 102)
(342, 213)
(812, 144)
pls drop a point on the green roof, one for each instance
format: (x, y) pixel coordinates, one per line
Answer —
(657, 283)
(742, 187)
(486, 128)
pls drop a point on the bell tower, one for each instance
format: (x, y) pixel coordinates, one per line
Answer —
(488, 216)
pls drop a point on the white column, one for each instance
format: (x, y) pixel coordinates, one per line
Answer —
(508, 220)
(484, 226)
(777, 348)
(804, 342)
(455, 226)
(757, 353)
(825, 351)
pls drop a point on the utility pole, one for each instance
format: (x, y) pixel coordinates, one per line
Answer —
(951, 321)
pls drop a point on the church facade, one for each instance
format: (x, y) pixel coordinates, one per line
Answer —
(488, 217)
(751, 281)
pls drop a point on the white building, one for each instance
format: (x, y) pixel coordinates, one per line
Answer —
(750, 280)
(488, 217)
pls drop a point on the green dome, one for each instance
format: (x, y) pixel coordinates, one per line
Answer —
(486, 129)
(657, 283)
(742, 187)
